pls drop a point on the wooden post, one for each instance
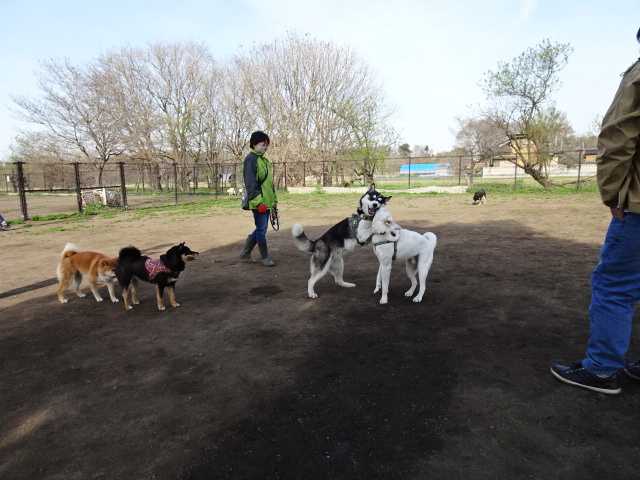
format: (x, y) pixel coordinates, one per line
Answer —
(580, 156)
(76, 169)
(460, 170)
(285, 176)
(175, 181)
(123, 186)
(304, 174)
(21, 190)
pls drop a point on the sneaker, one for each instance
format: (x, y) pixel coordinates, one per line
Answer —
(633, 370)
(575, 374)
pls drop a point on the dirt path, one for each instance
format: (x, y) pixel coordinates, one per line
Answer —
(249, 379)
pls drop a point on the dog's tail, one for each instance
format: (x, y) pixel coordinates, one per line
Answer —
(128, 254)
(300, 239)
(68, 250)
(431, 238)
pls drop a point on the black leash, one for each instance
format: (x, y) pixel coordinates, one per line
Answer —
(275, 220)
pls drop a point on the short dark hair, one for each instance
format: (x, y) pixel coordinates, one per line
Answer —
(258, 137)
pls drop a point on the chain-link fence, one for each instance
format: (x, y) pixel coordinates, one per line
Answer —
(31, 190)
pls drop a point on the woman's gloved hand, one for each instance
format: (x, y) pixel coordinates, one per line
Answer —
(262, 208)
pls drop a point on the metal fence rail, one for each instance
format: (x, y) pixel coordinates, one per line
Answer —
(160, 183)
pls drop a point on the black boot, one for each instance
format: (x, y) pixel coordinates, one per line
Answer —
(267, 261)
(249, 243)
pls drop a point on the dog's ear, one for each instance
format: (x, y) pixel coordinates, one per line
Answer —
(372, 187)
(387, 199)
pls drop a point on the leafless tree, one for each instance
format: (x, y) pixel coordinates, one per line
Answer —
(75, 106)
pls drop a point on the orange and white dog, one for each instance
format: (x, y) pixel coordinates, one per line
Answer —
(97, 268)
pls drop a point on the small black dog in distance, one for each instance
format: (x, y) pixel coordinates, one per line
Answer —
(162, 272)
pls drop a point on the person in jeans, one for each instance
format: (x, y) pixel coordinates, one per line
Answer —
(258, 184)
(615, 283)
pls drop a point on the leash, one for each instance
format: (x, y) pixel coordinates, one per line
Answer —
(275, 220)
(395, 246)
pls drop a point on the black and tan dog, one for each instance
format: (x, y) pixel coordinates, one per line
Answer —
(163, 272)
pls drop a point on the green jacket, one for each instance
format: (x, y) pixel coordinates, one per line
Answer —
(258, 180)
(619, 146)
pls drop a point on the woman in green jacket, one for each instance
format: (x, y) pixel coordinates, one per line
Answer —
(258, 184)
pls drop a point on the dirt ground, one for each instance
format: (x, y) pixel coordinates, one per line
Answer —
(250, 379)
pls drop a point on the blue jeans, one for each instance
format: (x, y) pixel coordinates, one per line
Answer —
(615, 289)
(262, 223)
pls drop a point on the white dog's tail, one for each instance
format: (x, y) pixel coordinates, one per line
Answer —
(68, 250)
(300, 239)
(431, 238)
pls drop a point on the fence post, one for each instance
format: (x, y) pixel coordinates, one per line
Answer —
(76, 170)
(322, 173)
(409, 172)
(195, 178)
(21, 190)
(285, 176)
(304, 174)
(175, 181)
(515, 174)
(579, 168)
(123, 186)
(460, 170)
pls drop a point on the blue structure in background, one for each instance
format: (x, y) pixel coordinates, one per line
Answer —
(430, 169)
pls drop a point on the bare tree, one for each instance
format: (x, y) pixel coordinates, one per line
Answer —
(75, 106)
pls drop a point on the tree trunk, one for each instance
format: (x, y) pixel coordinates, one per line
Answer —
(538, 176)
(100, 172)
(157, 176)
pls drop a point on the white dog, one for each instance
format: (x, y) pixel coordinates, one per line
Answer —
(391, 241)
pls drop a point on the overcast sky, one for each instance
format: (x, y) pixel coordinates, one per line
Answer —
(428, 55)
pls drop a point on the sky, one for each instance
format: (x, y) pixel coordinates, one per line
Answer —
(429, 56)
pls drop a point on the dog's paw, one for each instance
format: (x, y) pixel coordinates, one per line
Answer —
(81, 295)
(408, 293)
(417, 299)
(176, 305)
(383, 301)
(162, 308)
(114, 300)
(136, 302)
(128, 307)
(63, 300)
(347, 284)
(376, 290)
(313, 295)
(99, 299)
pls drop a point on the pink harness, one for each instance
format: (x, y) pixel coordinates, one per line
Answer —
(154, 267)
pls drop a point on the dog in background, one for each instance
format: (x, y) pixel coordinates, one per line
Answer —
(163, 272)
(75, 265)
(480, 197)
(391, 242)
(327, 250)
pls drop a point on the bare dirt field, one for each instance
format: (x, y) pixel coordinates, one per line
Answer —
(250, 379)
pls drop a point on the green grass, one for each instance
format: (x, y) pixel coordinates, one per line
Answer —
(313, 201)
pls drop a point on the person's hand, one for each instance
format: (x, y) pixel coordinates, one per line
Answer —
(617, 213)
(262, 208)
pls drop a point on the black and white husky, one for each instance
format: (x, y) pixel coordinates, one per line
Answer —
(327, 251)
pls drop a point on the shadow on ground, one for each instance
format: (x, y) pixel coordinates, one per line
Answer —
(249, 379)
